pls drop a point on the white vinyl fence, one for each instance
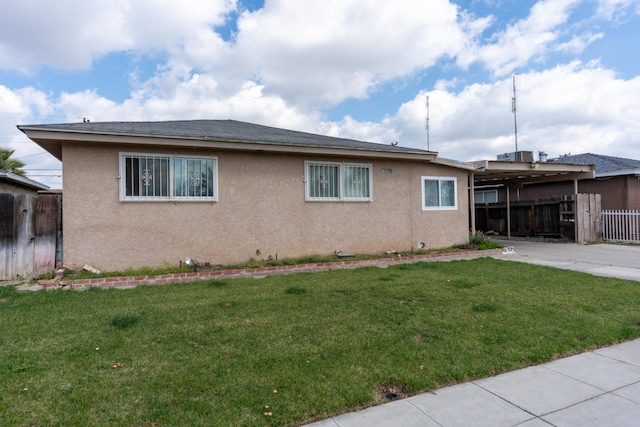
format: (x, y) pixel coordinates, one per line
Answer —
(621, 226)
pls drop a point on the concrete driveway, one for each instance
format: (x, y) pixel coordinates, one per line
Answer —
(622, 261)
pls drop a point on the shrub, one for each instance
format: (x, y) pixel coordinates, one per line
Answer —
(482, 241)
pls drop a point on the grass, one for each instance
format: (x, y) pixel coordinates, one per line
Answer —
(296, 348)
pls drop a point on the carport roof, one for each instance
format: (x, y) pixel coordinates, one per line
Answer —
(488, 172)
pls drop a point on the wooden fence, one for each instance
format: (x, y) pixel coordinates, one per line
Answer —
(30, 235)
(621, 226)
(574, 217)
(528, 218)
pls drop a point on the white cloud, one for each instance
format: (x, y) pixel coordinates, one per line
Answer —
(573, 108)
(71, 34)
(617, 10)
(522, 41)
(579, 42)
(324, 51)
(18, 106)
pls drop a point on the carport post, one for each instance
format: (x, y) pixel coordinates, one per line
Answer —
(508, 214)
(472, 202)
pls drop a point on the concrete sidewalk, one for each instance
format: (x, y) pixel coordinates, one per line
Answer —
(598, 388)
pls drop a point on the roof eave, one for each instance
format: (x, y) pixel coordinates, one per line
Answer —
(51, 140)
(620, 172)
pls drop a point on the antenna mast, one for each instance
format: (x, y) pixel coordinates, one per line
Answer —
(426, 124)
(514, 110)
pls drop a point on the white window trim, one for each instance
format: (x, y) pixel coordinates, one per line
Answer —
(341, 197)
(440, 179)
(170, 197)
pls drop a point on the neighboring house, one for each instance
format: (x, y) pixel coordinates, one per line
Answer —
(221, 191)
(617, 180)
(15, 184)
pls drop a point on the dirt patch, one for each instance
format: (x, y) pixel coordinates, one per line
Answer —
(389, 392)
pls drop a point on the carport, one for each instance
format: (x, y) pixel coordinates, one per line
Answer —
(512, 175)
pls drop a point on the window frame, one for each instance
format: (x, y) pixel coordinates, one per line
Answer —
(440, 180)
(484, 193)
(171, 197)
(341, 166)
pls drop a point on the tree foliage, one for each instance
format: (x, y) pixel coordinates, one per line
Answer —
(8, 164)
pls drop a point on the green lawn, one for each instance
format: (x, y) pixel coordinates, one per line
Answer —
(295, 348)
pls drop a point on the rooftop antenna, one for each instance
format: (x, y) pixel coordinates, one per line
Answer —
(514, 110)
(426, 124)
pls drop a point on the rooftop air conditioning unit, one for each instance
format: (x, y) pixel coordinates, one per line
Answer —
(517, 156)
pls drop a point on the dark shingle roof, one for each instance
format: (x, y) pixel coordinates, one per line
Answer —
(220, 130)
(604, 164)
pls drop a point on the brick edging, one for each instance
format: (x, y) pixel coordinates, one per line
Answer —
(124, 282)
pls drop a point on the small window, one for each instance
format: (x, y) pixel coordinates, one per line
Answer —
(337, 181)
(160, 177)
(439, 193)
(485, 196)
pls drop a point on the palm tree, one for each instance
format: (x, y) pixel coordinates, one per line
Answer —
(8, 164)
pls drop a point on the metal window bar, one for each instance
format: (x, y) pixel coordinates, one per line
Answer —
(355, 182)
(154, 176)
(193, 178)
(323, 181)
(146, 176)
(621, 225)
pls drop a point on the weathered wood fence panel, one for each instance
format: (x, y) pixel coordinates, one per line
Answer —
(47, 224)
(30, 232)
(574, 217)
(588, 208)
(621, 226)
(6, 235)
(528, 218)
(23, 239)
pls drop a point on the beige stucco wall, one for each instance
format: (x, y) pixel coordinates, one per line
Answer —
(261, 207)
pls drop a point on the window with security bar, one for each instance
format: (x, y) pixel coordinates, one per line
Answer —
(160, 177)
(439, 193)
(327, 181)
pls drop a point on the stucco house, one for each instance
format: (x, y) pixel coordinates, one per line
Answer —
(223, 191)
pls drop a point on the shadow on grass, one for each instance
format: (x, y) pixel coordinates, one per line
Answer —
(124, 322)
